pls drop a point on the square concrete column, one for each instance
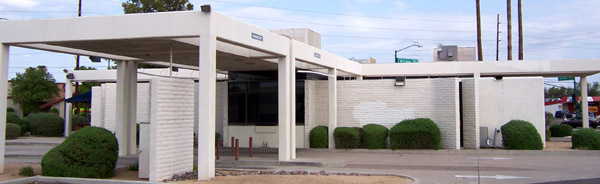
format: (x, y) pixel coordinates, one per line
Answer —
(476, 77)
(332, 80)
(292, 106)
(206, 106)
(4, 50)
(68, 107)
(126, 112)
(284, 99)
(584, 102)
(132, 117)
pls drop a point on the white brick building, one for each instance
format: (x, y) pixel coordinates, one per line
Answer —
(210, 43)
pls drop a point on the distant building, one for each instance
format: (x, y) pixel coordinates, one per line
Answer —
(303, 35)
(365, 61)
(453, 53)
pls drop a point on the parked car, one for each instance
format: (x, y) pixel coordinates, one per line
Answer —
(562, 114)
(577, 122)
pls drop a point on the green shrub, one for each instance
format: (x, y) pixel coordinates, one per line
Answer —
(217, 136)
(77, 119)
(134, 167)
(586, 138)
(26, 171)
(54, 110)
(46, 124)
(90, 152)
(10, 109)
(13, 131)
(319, 137)
(25, 126)
(374, 136)
(521, 135)
(346, 138)
(561, 130)
(12, 117)
(420, 133)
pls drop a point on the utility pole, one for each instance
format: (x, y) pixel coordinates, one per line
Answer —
(479, 49)
(520, 31)
(77, 57)
(509, 31)
(497, 34)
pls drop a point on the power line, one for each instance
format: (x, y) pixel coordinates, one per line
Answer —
(388, 38)
(344, 14)
(348, 26)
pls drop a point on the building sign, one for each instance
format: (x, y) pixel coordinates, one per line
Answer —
(317, 55)
(565, 78)
(406, 60)
(257, 37)
(593, 108)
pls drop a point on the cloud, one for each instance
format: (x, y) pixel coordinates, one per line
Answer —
(20, 3)
(400, 5)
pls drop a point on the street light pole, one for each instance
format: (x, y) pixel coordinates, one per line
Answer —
(415, 43)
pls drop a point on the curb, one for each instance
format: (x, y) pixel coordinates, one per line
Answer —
(469, 152)
(45, 179)
(415, 180)
(31, 143)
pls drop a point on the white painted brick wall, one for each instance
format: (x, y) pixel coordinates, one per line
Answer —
(110, 106)
(172, 123)
(143, 102)
(109, 109)
(470, 125)
(221, 107)
(362, 102)
(97, 118)
(512, 98)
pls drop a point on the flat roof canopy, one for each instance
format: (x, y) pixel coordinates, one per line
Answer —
(150, 38)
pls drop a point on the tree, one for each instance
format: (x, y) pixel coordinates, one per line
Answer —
(87, 86)
(33, 87)
(146, 6)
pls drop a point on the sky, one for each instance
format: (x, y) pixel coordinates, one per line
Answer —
(552, 29)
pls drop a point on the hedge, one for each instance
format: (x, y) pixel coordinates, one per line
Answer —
(90, 152)
(12, 117)
(521, 135)
(46, 124)
(586, 138)
(420, 133)
(77, 119)
(374, 136)
(13, 131)
(10, 109)
(561, 130)
(319, 137)
(346, 138)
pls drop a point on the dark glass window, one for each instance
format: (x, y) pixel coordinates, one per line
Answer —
(254, 100)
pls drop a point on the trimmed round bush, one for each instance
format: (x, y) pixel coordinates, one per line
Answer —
(375, 136)
(561, 130)
(77, 119)
(10, 109)
(91, 152)
(46, 124)
(521, 135)
(318, 137)
(54, 110)
(586, 138)
(420, 133)
(346, 137)
(12, 117)
(13, 131)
